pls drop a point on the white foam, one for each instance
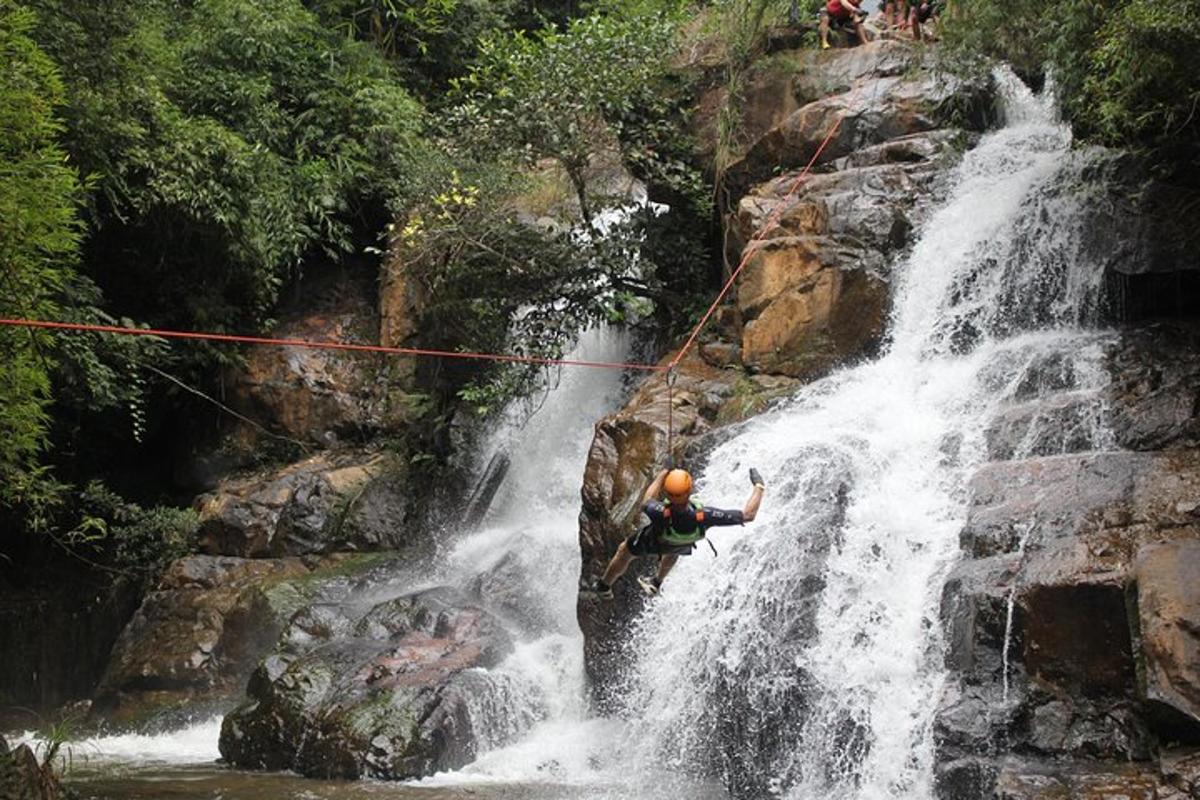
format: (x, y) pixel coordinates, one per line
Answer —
(195, 744)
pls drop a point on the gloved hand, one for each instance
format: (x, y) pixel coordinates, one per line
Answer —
(756, 478)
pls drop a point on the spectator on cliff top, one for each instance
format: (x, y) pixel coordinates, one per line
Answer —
(895, 14)
(845, 14)
(925, 12)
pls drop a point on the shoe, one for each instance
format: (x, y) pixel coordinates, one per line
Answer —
(824, 45)
(651, 586)
(602, 590)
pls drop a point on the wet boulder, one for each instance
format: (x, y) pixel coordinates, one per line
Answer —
(1154, 397)
(200, 632)
(397, 692)
(1042, 624)
(1029, 780)
(330, 502)
(24, 777)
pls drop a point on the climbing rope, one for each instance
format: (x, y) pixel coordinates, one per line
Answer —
(318, 345)
(671, 376)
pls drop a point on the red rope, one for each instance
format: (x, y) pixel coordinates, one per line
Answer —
(772, 222)
(671, 418)
(358, 348)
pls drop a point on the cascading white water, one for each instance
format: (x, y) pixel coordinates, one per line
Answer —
(806, 661)
(530, 537)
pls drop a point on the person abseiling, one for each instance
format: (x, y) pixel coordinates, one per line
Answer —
(675, 528)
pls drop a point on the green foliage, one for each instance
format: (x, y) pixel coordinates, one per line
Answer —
(553, 94)
(39, 239)
(496, 283)
(741, 28)
(578, 101)
(1143, 84)
(1125, 69)
(139, 541)
(432, 41)
(231, 141)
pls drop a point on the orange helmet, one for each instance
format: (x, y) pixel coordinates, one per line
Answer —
(678, 484)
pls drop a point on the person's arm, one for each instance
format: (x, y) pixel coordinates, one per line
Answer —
(655, 490)
(846, 4)
(756, 495)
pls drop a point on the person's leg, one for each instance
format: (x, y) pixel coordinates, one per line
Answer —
(889, 9)
(902, 13)
(860, 31)
(664, 565)
(823, 27)
(617, 566)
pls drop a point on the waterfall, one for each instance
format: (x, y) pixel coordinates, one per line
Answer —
(807, 661)
(529, 539)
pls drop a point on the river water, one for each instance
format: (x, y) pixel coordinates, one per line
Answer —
(806, 661)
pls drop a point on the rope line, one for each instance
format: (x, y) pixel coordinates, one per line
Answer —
(318, 345)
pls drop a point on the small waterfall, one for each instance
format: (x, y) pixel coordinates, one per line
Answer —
(525, 557)
(807, 661)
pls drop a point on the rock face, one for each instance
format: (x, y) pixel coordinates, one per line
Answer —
(1167, 585)
(327, 503)
(877, 92)
(198, 635)
(814, 293)
(1096, 551)
(387, 692)
(326, 396)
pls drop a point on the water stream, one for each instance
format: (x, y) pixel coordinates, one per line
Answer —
(806, 661)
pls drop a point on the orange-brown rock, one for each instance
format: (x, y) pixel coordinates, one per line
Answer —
(323, 396)
(814, 291)
(1168, 618)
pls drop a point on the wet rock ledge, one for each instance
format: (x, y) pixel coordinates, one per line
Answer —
(1093, 688)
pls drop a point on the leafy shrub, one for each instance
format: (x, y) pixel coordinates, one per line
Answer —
(1125, 69)
(230, 142)
(39, 240)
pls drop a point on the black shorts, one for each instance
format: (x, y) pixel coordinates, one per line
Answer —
(646, 543)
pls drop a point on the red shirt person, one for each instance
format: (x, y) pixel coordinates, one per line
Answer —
(842, 11)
